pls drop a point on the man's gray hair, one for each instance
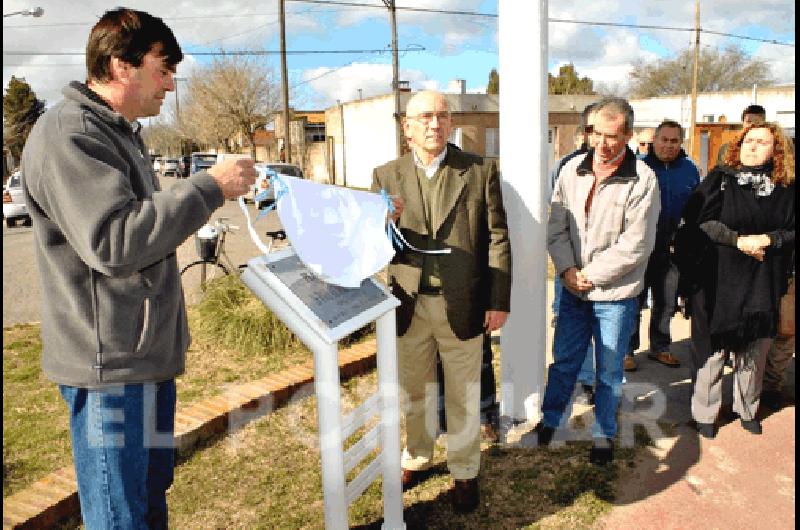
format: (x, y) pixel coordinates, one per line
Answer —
(614, 106)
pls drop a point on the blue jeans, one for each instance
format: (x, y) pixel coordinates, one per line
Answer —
(124, 453)
(610, 324)
(586, 374)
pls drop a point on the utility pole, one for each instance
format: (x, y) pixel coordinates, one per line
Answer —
(390, 4)
(287, 146)
(693, 115)
(178, 110)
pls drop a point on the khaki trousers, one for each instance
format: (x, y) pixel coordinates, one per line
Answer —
(461, 363)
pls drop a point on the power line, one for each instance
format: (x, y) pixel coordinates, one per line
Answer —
(409, 48)
(400, 8)
(463, 13)
(557, 20)
(194, 17)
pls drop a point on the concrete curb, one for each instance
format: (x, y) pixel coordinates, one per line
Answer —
(54, 498)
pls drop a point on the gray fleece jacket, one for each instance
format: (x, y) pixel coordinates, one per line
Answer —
(105, 236)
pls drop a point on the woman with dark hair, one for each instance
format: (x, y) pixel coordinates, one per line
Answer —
(734, 246)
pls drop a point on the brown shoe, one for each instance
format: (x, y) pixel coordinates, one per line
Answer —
(665, 358)
(629, 364)
(465, 495)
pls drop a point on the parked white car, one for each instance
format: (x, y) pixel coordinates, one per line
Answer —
(263, 181)
(14, 208)
(170, 165)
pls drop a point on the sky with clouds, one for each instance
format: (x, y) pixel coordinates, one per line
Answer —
(438, 47)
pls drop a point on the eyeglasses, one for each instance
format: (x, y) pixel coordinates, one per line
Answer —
(642, 144)
(427, 117)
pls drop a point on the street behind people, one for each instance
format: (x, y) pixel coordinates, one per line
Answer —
(600, 234)
(448, 199)
(114, 326)
(734, 248)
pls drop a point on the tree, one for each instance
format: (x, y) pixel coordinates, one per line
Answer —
(729, 68)
(494, 82)
(162, 138)
(233, 95)
(21, 109)
(568, 82)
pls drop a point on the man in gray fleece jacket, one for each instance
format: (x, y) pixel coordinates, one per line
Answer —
(114, 324)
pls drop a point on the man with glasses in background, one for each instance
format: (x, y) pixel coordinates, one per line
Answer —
(445, 198)
(643, 142)
(586, 375)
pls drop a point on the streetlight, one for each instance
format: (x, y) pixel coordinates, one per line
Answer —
(30, 12)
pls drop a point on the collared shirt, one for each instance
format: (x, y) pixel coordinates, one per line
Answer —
(431, 169)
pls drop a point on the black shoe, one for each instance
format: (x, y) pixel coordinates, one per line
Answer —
(753, 426)
(541, 435)
(602, 451)
(466, 496)
(589, 391)
(410, 478)
(706, 430)
(773, 399)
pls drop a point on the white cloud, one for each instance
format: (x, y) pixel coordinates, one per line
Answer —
(602, 53)
(343, 84)
(454, 31)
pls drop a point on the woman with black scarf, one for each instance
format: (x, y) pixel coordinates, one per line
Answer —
(733, 250)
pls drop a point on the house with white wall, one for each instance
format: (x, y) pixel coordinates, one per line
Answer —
(361, 133)
(715, 107)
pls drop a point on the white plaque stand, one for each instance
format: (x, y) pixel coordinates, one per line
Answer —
(321, 314)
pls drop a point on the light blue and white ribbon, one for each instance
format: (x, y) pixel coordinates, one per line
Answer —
(279, 189)
(396, 237)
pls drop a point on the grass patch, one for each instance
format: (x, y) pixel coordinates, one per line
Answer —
(247, 481)
(230, 316)
(267, 475)
(35, 421)
(234, 339)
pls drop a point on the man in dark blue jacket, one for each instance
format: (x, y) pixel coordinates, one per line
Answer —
(677, 177)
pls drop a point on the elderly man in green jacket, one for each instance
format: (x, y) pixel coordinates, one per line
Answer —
(445, 199)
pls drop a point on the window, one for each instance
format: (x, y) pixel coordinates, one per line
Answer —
(455, 137)
(492, 142)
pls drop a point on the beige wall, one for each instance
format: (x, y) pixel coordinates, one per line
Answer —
(566, 125)
(473, 127)
(314, 165)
